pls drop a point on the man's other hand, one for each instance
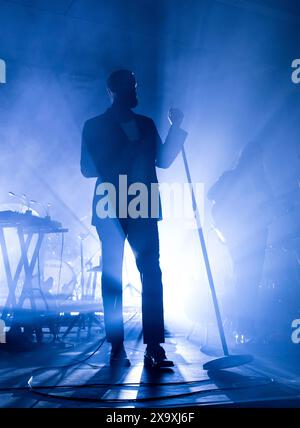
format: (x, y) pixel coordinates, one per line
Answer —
(175, 117)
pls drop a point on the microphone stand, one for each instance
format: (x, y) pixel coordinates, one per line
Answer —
(228, 361)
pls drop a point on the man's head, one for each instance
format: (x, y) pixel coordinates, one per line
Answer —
(121, 86)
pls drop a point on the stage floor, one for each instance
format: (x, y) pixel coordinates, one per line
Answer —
(58, 377)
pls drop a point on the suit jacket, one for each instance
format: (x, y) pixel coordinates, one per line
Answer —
(107, 153)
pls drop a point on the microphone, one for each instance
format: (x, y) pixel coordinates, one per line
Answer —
(21, 199)
(27, 202)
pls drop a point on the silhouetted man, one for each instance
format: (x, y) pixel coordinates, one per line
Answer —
(120, 143)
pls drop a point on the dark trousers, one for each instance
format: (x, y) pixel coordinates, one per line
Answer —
(142, 235)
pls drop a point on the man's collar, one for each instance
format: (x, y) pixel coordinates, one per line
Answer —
(111, 112)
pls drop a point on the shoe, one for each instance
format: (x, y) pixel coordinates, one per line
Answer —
(155, 357)
(118, 357)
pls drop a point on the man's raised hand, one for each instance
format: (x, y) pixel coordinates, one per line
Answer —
(175, 117)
